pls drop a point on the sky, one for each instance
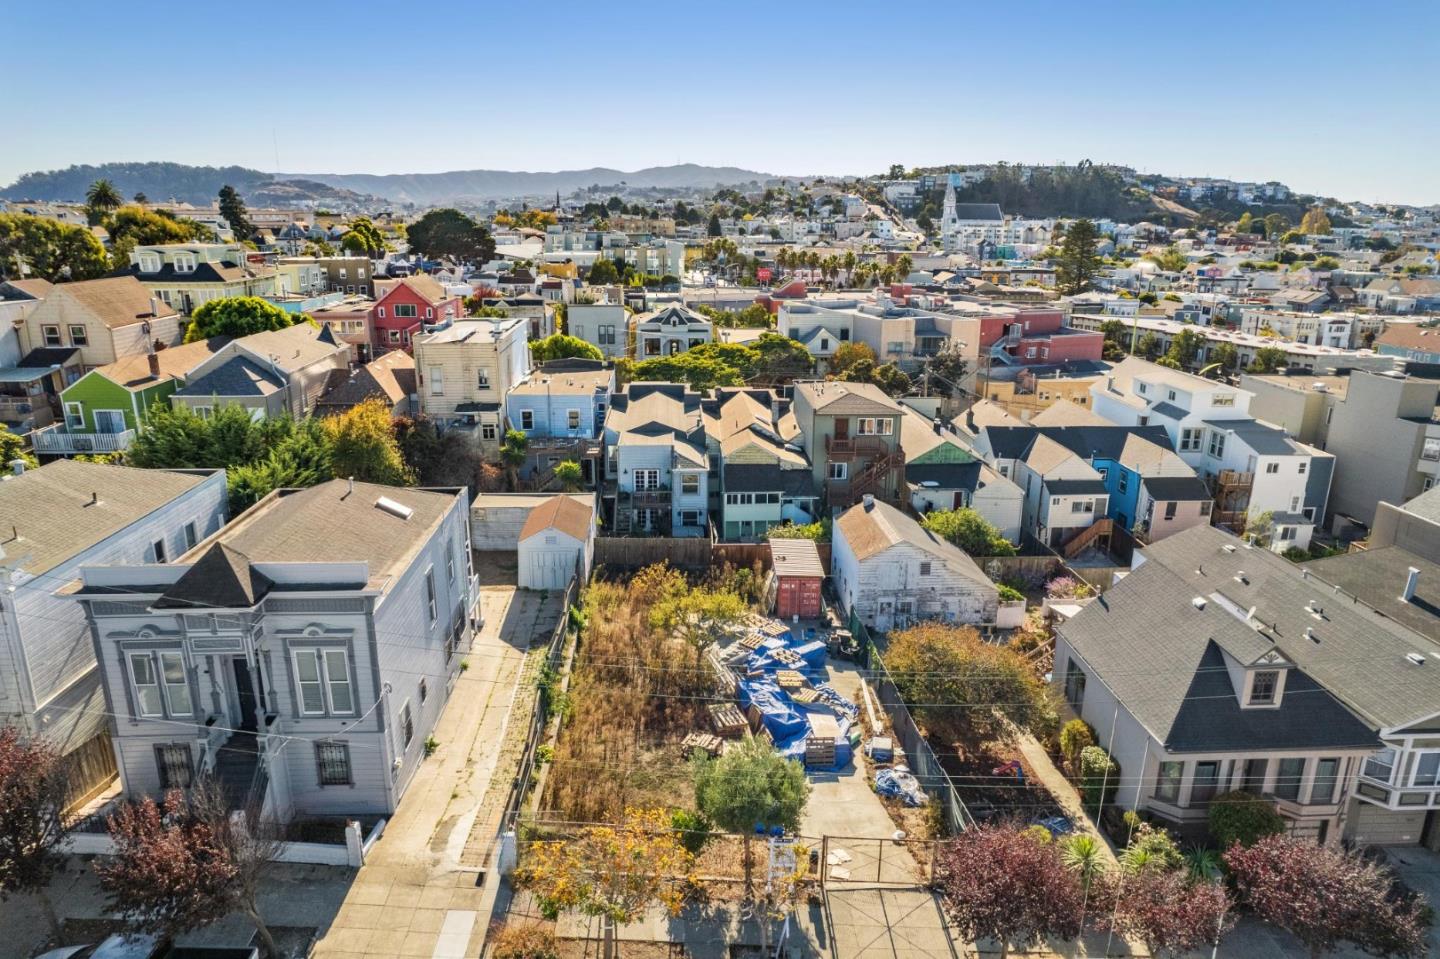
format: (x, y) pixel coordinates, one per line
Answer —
(1334, 98)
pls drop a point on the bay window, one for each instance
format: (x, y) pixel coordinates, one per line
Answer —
(1381, 765)
(1427, 770)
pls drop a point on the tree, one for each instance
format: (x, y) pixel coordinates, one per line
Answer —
(364, 447)
(1315, 221)
(131, 226)
(1099, 777)
(236, 316)
(961, 686)
(34, 787)
(232, 210)
(1078, 263)
(890, 378)
(602, 273)
(48, 249)
(1225, 355)
(779, 356)
(1170, 259)
(700, 370)
(363, 238)
(100, 199)
(750, 785)
(948, 369)
(1326, 896)
(1244, 818)
(448, 233)
(513, 449)
(184, 864)
(997, 883)
(1167, 910)
(1184, 347)
(610, 872)
(713, 227)
(559, 346)
(847, 354)
(698, 616)
(970, 531)
(1267, 359)
(570, 476)
(438, 457)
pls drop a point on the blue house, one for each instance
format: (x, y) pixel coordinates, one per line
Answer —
(561, 410)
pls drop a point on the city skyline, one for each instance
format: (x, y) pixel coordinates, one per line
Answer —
(812, 91)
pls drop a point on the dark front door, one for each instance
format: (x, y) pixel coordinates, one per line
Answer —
(245, 693)
(842, 428)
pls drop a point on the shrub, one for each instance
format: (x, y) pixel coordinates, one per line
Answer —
(431, 744)
(1075, 737)
(525, 940)
(1038, 833)
(694, 830)
(1099, 775)
(1296, 555)
(1068, 587)
(1152, 848)
(1009, 594)
(1244, 818)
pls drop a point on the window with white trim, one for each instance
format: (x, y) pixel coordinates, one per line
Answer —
(407, 726)
(405, 311)
(148, 698)
(51, 335)
(79, 336)
(437, 381)
(430, 600)
(1191, 438)
(838, 470)
(322, 681)
(191, 536)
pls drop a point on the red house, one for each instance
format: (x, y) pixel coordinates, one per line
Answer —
(1039, 336)
(403, 306)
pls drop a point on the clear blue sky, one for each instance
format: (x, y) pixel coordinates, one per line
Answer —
(1330, 97)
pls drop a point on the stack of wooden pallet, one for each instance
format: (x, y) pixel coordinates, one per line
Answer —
(726, 720)
(820, 744)
(790, 679)
(704, 741)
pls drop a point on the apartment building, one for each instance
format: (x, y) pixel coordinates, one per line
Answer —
(466, 368)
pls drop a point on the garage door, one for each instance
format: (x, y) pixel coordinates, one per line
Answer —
(549, 569)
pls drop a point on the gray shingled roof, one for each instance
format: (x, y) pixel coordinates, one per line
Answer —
(1356, 653)
(66, 507)
(222, 578)
(240, 376)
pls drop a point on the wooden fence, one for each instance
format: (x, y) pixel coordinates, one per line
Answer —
(635, 552)
(747, 554)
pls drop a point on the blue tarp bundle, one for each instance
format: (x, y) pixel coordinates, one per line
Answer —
(899, 782)
(777, 712)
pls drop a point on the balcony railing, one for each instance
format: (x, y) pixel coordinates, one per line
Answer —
(852, 445)
(54, 439)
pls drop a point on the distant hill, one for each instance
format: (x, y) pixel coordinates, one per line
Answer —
(432, 188)
(199, 184)
(163, 181)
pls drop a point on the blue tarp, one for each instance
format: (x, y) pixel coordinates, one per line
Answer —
(777, 712)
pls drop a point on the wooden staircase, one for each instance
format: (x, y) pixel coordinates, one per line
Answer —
(872, 477)
(1083, 540)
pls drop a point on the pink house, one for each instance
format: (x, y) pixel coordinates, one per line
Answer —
(403, 306)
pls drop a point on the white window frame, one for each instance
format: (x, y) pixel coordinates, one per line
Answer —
(325, 679)
(45, 335)
(482, 379)
(74, 416)
(83, 339)
(646, 480)
(839, 470)
(432, 597)
(527, 419)
(138, 687)
(437, 381)
(687, 478)
(191, 534)
(406, 311)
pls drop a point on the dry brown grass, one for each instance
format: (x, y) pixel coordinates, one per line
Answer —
(634, 691)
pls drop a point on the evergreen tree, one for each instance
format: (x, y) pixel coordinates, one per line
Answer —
(713, 229)
(232, 208)
(1078, 262)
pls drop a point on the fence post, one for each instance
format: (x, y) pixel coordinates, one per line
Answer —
(824, 860)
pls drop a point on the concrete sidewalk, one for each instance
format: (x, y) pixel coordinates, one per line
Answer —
(415, 895)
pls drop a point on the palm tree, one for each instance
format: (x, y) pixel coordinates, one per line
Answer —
(1081, 853)
(849, 261)
(101, 197)
(903, 265)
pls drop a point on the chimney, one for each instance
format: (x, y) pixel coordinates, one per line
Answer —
(154, 359)
(154, 307)
(869, 500)
(1412, 578)
(970, 419)
(936, 425)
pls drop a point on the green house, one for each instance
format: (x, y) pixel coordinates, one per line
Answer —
(106, 407)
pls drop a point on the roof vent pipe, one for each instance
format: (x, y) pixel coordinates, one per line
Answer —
(1412, 579)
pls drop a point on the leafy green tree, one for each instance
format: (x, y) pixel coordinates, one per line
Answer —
(559, 346)
(363, 238)
(1184, 347)
(364, 446)
(961, 686)
(233, 211)
(236, 316)
(947, 369)
(48, 249)
(513, 449)
(701, 371)
(968, 530)
(448, 233)
(1078, 263)
(570, 476)
(890, 378)
(750, 785)
(848, 354)
(603, 273)
(1276, 224)
(1267, 359)
(100, 199)
(780, 356)
(131, 226)
(438, 457)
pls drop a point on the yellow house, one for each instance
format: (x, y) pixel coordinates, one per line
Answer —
(103, 320)
(186, 275)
